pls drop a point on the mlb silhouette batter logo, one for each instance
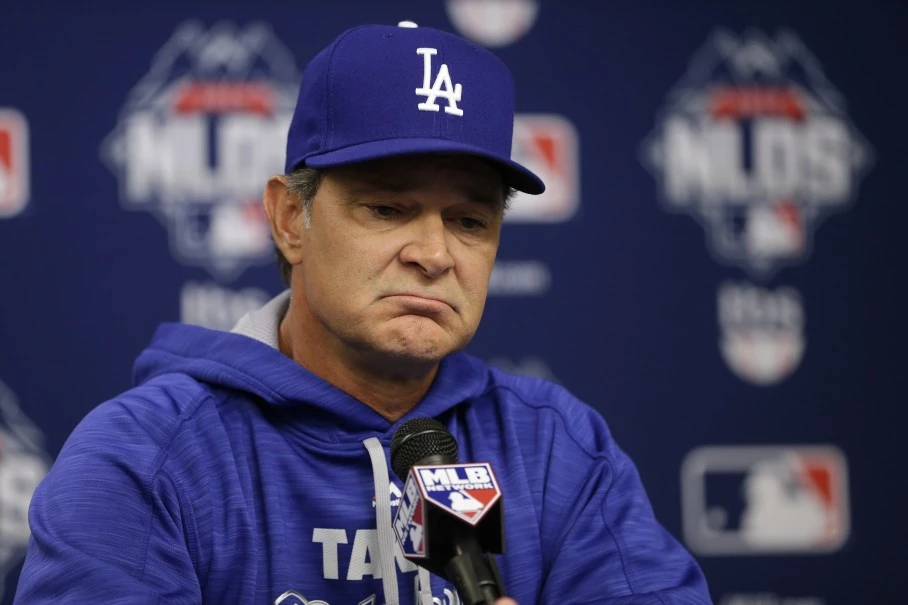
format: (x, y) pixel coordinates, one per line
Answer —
(14, 172)
(548, 144)
(765, 500)
(463, 502)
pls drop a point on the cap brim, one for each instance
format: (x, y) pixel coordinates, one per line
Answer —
(513, 173)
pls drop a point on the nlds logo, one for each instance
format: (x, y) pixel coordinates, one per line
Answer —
(755, 143)
(200, 134)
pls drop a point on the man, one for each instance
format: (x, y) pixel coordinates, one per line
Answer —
(252, 466)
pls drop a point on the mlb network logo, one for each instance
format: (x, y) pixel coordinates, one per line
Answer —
(467, 491)
(14, 179)
(753, 500)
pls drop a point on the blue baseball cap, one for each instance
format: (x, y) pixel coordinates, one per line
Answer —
(382, 91)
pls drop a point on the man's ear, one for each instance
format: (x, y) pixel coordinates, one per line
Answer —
(284, 210)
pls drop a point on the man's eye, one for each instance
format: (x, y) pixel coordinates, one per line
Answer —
(472, 224)
(383, 211)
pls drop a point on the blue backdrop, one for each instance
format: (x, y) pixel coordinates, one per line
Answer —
(717, 266)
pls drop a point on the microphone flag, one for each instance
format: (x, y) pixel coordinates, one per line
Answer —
(439, 499)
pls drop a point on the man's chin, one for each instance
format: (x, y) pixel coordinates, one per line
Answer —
(402, 363)
(421, 353)
(413, 342)
(422, 349)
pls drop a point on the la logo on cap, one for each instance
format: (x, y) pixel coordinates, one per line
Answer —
(443, 80)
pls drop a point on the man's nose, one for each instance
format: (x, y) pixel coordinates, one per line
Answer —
(428, 247)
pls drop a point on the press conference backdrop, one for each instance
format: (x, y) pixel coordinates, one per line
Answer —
(718, 263)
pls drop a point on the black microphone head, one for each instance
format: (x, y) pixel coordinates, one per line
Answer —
(421, 441)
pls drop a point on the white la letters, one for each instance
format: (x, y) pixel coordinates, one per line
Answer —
(450, 91)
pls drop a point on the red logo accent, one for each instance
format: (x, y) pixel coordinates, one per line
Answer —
(14, 171)
(223, 97)
(750, 101)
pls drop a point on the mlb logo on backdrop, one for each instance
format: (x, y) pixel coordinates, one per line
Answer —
(754, 500)
(548, 145)
(14, 169)
(493, 22)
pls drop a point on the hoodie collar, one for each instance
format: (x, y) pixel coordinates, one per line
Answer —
(263, 324)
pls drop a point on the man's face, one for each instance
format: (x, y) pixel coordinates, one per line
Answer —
(397, 259)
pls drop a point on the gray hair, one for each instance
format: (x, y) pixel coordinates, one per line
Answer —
(303, 182)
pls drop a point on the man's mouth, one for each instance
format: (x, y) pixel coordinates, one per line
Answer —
(422, 304)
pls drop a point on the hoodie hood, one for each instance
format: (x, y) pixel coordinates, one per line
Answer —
(247, 359)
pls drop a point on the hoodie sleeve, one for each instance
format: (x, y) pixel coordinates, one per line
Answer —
(108, 524)
(612, 551)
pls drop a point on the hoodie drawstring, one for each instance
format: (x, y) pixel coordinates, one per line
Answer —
(387, 542)
(425, 587)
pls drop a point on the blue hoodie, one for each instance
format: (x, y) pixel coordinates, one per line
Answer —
(231, 474)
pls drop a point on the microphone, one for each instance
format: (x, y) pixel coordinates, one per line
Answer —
(450, 515)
